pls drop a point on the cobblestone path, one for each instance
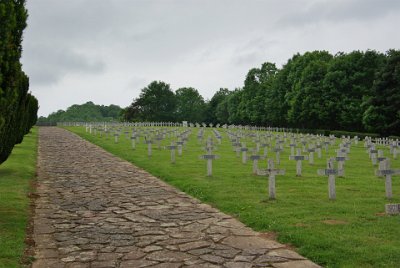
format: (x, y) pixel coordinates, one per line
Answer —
(96, 210)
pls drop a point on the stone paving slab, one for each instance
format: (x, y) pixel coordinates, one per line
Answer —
(96, 210)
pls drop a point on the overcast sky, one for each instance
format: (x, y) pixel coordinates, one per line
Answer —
(106, 51)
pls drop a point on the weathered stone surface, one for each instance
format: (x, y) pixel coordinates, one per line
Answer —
(193, 245)
(285, 253)
(251, 242)
(136, 263)
(96, 210)
(297, 264)
(212, 258)
(238, 265)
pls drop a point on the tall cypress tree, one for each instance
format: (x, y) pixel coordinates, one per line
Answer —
(14, 84)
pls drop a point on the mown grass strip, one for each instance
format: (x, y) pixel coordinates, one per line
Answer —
(16, 174)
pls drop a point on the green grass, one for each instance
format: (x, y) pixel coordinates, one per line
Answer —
(15, 177)
(366, 237)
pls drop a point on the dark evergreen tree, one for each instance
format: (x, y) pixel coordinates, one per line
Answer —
(15, 102)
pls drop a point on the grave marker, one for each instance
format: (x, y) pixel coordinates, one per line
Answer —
(180, 146)
(148, 142)
(172, 148)
(388, 173)
(209, 158)
(133, 142)
(311, 151)
(271, 172)
(278, 151)
(244, 150)
(298, 158)
(392, 209)
(255, 159)
(341, 158)
(330, 171)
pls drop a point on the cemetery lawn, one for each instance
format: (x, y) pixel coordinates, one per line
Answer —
(352, 231)
(16, 175)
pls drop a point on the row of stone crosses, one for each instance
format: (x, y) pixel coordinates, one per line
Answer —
(264, 142)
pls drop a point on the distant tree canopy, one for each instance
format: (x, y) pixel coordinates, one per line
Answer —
(356, 91)
(18, 108)
(88, 112)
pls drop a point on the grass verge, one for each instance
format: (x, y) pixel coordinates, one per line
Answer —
(15, 177)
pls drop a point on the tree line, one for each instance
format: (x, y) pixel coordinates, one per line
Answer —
(87, 112)
(18, 108)
(356, 91)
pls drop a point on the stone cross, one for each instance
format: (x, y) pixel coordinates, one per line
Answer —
(159, 138)
(133, 141)
(255, 159)
(236, 148)
(298, 158)
(311, 151)
(330, 171)
(326, 145)
(388, 173)
(258, 145)
(265, 146)
(304, 143)
(180, 146)
(278, 151)
(318, 148)
(341, 158)
(292, 146)
(381, 160)
(372, 154)
(148, 142)
(172, 148)
(271, 172)
(209, 158)
(244, 150)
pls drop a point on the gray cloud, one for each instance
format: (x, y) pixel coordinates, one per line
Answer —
(46, 65)
(108, 50)
(341, 11)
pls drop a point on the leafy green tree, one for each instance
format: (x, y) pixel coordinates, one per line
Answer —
(233, 101)
(306, 99)
(222, 110)
(383, 112)
(87, 112)
(190, 105)
(252, 108)
(349, 82)
(156, 102)
(211, 112)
